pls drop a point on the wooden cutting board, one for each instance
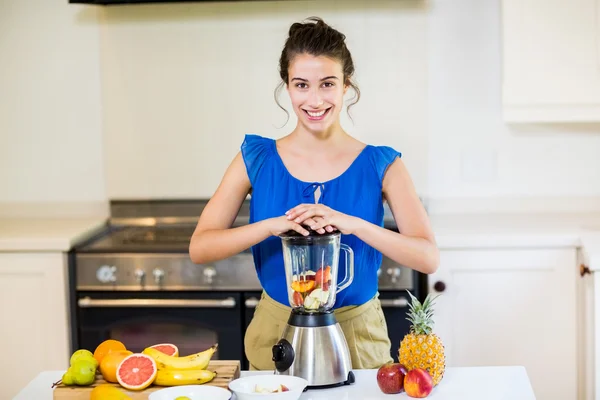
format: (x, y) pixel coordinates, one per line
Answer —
(226, 372)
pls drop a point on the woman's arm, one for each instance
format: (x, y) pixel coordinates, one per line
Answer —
(415, 245)
(213, 238)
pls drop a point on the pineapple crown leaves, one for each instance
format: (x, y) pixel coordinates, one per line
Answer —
(421, 315)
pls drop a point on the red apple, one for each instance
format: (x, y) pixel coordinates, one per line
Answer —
(323, 275)
(390, 378)
(418, 383)
(298, 299)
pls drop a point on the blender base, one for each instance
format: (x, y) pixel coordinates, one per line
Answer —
(317, 351)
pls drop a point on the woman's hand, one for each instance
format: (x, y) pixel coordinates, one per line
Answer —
(322, 218)
(279, 225)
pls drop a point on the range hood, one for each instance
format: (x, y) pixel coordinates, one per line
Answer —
(122, 2)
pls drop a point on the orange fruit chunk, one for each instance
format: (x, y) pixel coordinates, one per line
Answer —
(303, 286)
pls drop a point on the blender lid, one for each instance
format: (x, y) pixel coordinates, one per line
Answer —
(311, 234)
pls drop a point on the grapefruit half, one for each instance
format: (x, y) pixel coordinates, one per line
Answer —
(168, 348)
(136, 372)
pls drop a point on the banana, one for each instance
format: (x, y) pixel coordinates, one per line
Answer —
(173, 377)
(193, 361)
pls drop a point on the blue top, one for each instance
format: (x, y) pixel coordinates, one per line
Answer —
(357, 191)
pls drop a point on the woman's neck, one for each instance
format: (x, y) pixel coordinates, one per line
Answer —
(317, 140)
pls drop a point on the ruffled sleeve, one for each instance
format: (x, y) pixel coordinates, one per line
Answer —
(255, 151)
(382, 158)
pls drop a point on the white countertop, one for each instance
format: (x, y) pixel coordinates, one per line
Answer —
(45, 234)
(473, 383)
(454, 231)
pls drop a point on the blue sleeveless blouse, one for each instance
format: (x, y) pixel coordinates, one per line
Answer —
(357, 191)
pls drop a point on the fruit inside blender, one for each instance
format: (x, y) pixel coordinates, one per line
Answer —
(311, 289)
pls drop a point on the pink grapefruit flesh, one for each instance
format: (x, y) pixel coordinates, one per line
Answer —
(136, 372)
(167, 348)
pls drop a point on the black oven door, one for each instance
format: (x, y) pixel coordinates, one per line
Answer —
(193, 321)
(395, 307)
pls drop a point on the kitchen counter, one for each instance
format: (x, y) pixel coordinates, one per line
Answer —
(453, 231)
(45, 234)
(472, 383)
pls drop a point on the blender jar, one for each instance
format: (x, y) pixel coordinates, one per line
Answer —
(311, 268)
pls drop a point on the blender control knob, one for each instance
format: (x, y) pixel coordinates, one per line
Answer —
(283, 355)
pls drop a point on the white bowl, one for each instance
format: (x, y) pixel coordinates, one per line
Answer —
(244, 387)
(194, 392)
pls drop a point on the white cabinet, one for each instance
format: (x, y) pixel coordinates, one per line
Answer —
(511, 307)
(551, 60)
(33, 294)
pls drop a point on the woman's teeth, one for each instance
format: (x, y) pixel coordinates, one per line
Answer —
(316, 114)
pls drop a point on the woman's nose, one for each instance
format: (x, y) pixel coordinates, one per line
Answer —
(315, 100)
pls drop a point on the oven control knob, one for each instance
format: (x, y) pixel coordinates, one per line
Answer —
(209, 274)
(394, 273)
(107, 274)
(159, 275)
(139, 275)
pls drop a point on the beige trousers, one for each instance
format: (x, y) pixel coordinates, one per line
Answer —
(364, 328)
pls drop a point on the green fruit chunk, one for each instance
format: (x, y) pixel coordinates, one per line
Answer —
(84, 372)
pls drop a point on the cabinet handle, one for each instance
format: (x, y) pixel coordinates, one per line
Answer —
(584, 269)
(439, 286)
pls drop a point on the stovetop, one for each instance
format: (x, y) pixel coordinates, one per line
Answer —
(141, 239)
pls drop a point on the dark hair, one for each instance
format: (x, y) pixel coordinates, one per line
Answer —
(316, 38)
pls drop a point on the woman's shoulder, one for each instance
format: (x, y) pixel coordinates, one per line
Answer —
(254, 139)
(381, 156)
(256, 150)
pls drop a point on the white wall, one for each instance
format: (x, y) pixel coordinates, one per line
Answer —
(154, 100)
(183, 83)
(473, 153)
(50, 105)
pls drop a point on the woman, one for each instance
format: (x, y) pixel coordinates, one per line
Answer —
(317, 176)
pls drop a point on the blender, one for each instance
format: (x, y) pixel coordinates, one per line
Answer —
(312, 345)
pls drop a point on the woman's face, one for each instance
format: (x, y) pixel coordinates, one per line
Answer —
(316, 88)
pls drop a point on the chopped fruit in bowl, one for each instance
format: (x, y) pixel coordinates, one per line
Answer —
(278, 389)
(262, 387)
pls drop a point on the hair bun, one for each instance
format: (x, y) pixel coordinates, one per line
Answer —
(309, 23)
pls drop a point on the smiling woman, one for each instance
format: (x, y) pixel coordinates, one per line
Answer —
(317, 177)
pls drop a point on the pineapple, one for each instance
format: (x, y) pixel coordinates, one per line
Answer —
(421, 348)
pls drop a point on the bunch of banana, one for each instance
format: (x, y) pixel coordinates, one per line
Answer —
(188, 370)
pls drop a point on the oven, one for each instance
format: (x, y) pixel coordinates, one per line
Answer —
(193, 321)
(137, 284)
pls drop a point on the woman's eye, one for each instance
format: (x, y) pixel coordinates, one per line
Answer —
(328, 84)
(301, 85)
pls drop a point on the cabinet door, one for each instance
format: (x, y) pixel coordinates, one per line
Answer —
(34, 317)
(511, 307)
(551, 60)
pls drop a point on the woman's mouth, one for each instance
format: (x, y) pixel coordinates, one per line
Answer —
(317, 115)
